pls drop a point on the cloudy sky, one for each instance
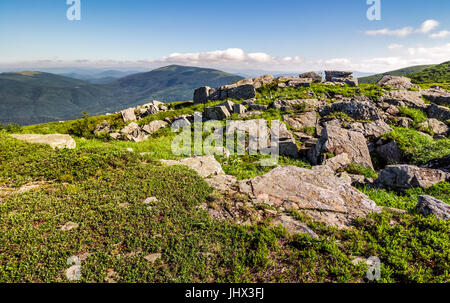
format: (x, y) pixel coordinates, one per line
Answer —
(289, 35)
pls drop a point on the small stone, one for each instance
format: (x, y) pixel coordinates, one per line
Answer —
(69, 226)
(150, 200)
(153, 257)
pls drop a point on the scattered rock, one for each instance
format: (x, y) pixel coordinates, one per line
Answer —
(300, 121)
(201, 95)
(153, 257)
(396, 82)
(430, 206)
(205, 166)
(69, 226)
(410, 176)
(222, 182)
(436, 126)
(154, 126)
(437, 95)
(403, 98)
(128, 115)
(327, 198)
(373, 130)
(180, 123)
(150, 200)
(358, 109)
(56, 141)
(390, 153)
(239, 109)
(316, 78)
(132, 132)
(293, 226)
(441, 164)
(287, 105)
(441, 113)
(103, 128)
(258, 107)
(337, 140)
(217, 113)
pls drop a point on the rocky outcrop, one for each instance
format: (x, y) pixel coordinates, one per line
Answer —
(396, 82)
(233, 91)
(337, 140)
(286, 142)
(180, 122)
(358, 109)
(341, 77)
(217, 113)
(201, 95)
(410, 176)
(316, 78)
(128, 115)
(372, 130)
(132, 132)
(437, 95)
(300, 121)
(287, 105)
(324, 197)
(56, 141)
(430, 206)
(206, 166)
(154, 126)
(441, 113)
(440, 163)
(435, 126)
(390, 153)
(403, 98)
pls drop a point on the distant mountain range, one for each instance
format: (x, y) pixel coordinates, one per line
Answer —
(37, 97)
(436, 73)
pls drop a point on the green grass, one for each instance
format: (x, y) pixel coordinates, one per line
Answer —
(104, 196)
(417, 115)
(361, 170)
(407, 200)
(438, 73)
(418, 148)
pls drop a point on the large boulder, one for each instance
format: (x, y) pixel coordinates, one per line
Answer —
(396, 82)
(316, 78)
(286, 142)
(180, 123)
(437, 95)
(390, 153)
(206, 166)
(329, 75)
(324, 197)
(154, 126)
(299, 121)
(217, 113)
(132, 132)
(337, 140)
(56, 141)
(358, 109)
(128, 115)
(440, 163)
(287, 105)
(201, 95)
(246, 91)
(409, 176)
(403, 98)
(430, 206)
(371, 129)
(441, 113)
(436, 126)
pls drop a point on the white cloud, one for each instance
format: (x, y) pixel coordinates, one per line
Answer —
(235, 59)
(428, 26)
(403, 32)
(425, 28)
(441, 34)
(395, 46)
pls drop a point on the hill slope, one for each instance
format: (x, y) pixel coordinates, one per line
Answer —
(35, 97)
(434, 74)
(398, 72)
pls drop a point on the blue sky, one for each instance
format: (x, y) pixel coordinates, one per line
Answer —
(286, 35)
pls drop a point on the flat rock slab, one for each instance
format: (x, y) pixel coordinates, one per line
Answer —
(205, 166)
(299, 188)
(56, 141)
